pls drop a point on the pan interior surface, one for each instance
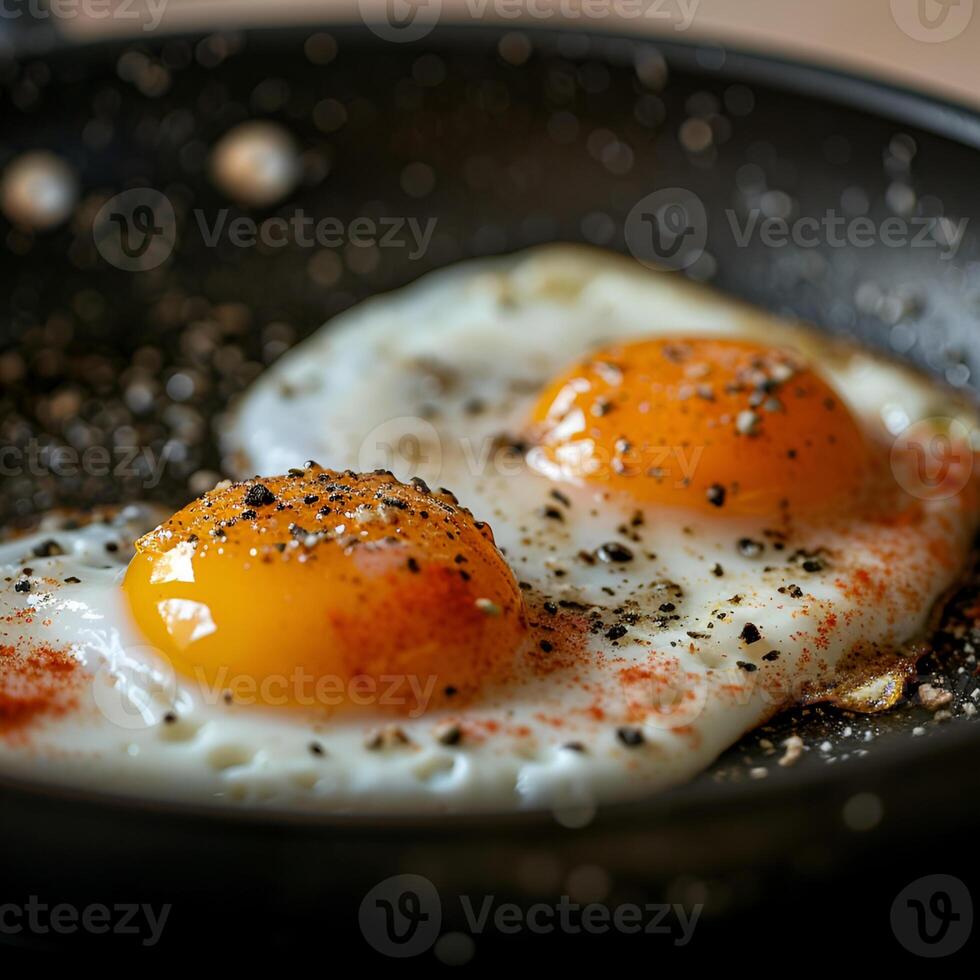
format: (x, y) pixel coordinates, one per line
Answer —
(498, 141)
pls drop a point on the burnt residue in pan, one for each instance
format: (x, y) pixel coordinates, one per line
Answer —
(114, 383)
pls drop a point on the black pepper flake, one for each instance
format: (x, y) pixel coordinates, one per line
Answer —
(249, 515)
(813, 565)
(771, 655)
(629, 736)
(747, 667)
(615, 632)
(259, 495)
(22, 586)
(574, 747)
(561, 498)
(552, 513)
(717, 570)
(310, 498)
(550, 608)
(546, 646)
(750, 633)
(667, 607)
(316, 748)
(111, 547)
(449, 734)
(449, 691)
(413, 565)
(48, 549)
(716, 495)
(72, 580)
(170, 718)
(613, 551)
(749, 548)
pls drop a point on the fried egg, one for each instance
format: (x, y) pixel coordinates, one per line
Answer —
(669, 517)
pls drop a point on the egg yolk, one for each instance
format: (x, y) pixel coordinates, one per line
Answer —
(331, 589)
(710, 424)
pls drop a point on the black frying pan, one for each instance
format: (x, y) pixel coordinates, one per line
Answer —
(813, 855)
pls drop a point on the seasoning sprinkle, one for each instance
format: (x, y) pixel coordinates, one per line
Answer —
(716, 495)
(629, 736)
(449, 734)
(259, 495)
(488, 607)
(613, 551)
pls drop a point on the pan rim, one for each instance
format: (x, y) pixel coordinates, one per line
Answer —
(885, 98)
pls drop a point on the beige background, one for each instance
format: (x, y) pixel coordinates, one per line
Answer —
(886, 38)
